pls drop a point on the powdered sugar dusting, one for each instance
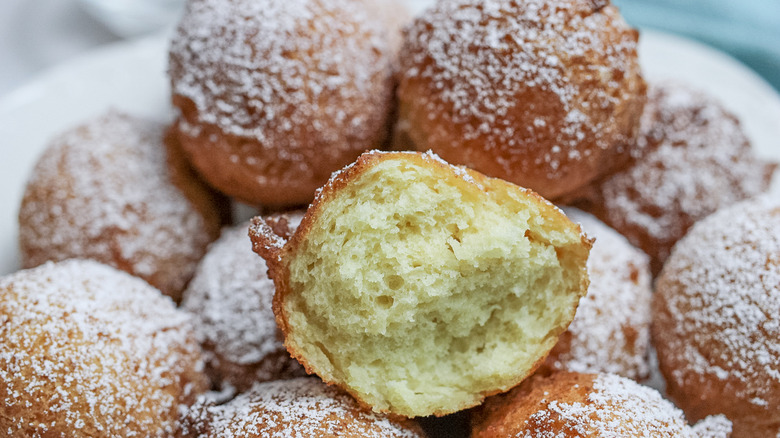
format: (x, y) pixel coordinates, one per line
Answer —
(230, 297)
(485, 59)
(714, 426)
(611, 330)
(90, 348)
(265, 241)
(616, 407)
(104, 191)
(271, 70)
(299, 408)
(718, 307)
(695, 159)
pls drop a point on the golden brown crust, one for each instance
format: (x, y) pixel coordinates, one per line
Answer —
(274, 179)
(268, 245)
(279, 95)
(504, 415)
(509, 89)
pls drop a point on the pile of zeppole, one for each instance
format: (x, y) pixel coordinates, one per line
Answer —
(478, 221)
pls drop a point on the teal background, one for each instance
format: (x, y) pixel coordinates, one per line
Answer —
(749, 30)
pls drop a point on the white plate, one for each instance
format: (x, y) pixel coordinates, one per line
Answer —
(131, 76)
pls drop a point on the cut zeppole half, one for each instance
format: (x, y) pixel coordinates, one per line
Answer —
(420, 287)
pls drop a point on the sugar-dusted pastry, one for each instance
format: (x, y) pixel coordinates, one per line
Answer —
(577, 405)
(420, 287)
(545, 94)
(693, 158)
(302, 407)
(230, 297)
(112, 191)
(275, 95)
(715, 321)
(90, 351)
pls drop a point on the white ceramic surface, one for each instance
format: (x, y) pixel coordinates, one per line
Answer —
(133, 18)
(130, 76)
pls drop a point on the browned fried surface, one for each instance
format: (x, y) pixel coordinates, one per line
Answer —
(715, 321)
(89, 351)
(276, 95)
(545, 94)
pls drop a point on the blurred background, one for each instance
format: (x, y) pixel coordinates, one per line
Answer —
(37, 34)
(748, 30)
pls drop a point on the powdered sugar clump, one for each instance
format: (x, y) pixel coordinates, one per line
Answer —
(89, 348)
(299, 408)
(715, 426)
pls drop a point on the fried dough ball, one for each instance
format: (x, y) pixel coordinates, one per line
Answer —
(230, 297)
(544, 94)
(302, 407)
(420, 287)
(694, 158)
(89, 351)
(611, 331)
(715, 321)
(111, 191)
(575, 405)
(275, 95)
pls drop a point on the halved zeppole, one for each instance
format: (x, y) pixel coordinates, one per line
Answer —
(420, 287)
